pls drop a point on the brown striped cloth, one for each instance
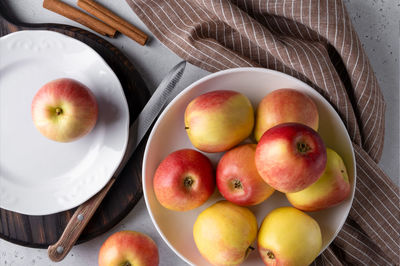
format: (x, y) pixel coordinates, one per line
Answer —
(314, 41)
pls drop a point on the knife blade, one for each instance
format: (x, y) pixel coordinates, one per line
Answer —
(137, 131)
(151, 110)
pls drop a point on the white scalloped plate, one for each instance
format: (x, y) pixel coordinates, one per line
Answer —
(39, 176)
(176, 227)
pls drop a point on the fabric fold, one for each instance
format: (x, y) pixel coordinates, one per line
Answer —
(314, 41)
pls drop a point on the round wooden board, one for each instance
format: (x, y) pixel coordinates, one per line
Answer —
(42, 231)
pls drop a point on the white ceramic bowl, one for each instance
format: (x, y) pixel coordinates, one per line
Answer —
(168, 135)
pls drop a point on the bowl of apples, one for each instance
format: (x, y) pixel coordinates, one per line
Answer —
(249, 166)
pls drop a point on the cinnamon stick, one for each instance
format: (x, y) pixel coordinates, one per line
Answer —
(79, 16)
(113, 20)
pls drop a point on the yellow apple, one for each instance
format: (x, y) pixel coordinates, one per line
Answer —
(288, 236)
(224, 233)
(330, 189)
(219, 120)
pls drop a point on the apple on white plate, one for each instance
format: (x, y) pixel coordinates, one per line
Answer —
(64, 110)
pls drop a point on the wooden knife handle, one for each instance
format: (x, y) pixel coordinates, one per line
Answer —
(76, 224)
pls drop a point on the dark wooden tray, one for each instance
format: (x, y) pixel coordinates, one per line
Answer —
(42, 231)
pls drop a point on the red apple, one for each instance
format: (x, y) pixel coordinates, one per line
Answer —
(283, 106)
(219, 120)
(128, 248)
(290, 157)
(238, 179)
(330, 189)
(64, 110)
(184, 180)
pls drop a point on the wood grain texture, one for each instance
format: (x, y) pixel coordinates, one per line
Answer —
(73, 230)
(42, 231)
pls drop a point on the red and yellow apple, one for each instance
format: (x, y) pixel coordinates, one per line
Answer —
(238, 179)
(184, 180)
(288, 236)
(64, 110)
(217, 121)
(283, 106)
(128, 248)
(330, 189)
(224, 233)
(290, 157)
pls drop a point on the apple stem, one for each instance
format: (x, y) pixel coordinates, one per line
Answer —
(250, 248)
(126, 263)
(303, 147)
(237, 183)
(270, 255)
(188, 182)
(58, 111)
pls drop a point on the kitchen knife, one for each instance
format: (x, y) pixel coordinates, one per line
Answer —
(137, 131)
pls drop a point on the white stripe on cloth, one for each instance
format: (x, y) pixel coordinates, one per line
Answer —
(372, 111)
(366, 257)
(387, 223)
(373, 230)
(327, 19)
(325, 259)
(333, 256)
(269, 28)
(361, 157)
(245, 29)
(374, 195)
(273, 40)
(365, 81)
(345, 231)
(370, 132)
(344, 28)
(354, 257)
(308, 60)
(328, 67)
(276, 47)
(256, 39)
(380, 128)
(172, 42)
(240, 35)
(319, 18)
(189, 44)
(294, 20)
(301, 18)
(325, 86)
(377, 116)
(212, 43)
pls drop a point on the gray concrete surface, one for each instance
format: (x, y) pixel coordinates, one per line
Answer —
(377, 24)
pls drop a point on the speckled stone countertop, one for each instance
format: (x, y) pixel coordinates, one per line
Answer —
(377, 24)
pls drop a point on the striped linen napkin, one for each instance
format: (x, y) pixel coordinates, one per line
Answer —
(314, 41)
